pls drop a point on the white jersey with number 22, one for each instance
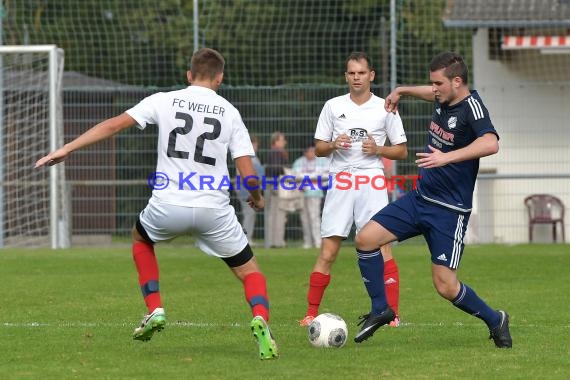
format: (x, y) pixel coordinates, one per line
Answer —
(196, 129)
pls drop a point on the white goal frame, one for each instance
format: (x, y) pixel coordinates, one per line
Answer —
(59, 226)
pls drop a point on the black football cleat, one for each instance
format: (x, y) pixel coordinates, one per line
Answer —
(372, 322)
(501, 334)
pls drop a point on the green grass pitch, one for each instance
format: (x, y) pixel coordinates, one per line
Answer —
(70, 313)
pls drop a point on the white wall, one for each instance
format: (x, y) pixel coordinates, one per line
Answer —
(528, 97)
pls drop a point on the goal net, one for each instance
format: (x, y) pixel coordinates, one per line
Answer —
(32, 206)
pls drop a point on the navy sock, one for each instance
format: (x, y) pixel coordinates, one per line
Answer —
(371, 266)
(468, 301)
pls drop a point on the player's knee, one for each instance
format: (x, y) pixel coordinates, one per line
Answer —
(441, 290)
(328, 257)
(364, 241)
(359, 241)
(445, 289)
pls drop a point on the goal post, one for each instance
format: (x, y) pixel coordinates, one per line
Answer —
(34, 209)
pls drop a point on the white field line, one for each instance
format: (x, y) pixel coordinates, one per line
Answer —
(185, 324)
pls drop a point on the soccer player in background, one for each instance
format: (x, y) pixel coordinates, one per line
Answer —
(196, 129)
(352, 130)
(460, 132)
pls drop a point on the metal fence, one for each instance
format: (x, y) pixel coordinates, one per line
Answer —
(108, 181)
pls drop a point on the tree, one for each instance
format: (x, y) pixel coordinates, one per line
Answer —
(131, 42)
(277, 42)
(421, 35)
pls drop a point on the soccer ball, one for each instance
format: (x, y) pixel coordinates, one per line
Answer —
(328, 330)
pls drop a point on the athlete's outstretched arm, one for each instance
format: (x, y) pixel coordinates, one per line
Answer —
(420, 92)
(485, 145)
(101, 131)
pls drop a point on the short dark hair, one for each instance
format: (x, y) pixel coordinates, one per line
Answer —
(453, 65)
(357, 56)
(206, 63)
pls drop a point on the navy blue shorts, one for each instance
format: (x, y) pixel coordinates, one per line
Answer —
(442, 228)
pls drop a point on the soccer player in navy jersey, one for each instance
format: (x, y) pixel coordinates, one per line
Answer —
(460, 132)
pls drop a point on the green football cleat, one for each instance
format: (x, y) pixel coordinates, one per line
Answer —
(150, 324)
(265, 341)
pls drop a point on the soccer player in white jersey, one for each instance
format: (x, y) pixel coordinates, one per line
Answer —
(196, 129)
(352, 131)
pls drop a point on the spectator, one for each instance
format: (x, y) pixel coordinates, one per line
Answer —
(395, 191)
(276, 216)
(311, 166)
(248, 214)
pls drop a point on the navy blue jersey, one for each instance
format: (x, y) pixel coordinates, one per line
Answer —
(452, 128)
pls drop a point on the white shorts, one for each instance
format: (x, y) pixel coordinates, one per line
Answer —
(217, 231)
(345, 204)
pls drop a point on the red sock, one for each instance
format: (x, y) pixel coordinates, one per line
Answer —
(255, 288)
(147, 267)
(392, 283)
(318, 282)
